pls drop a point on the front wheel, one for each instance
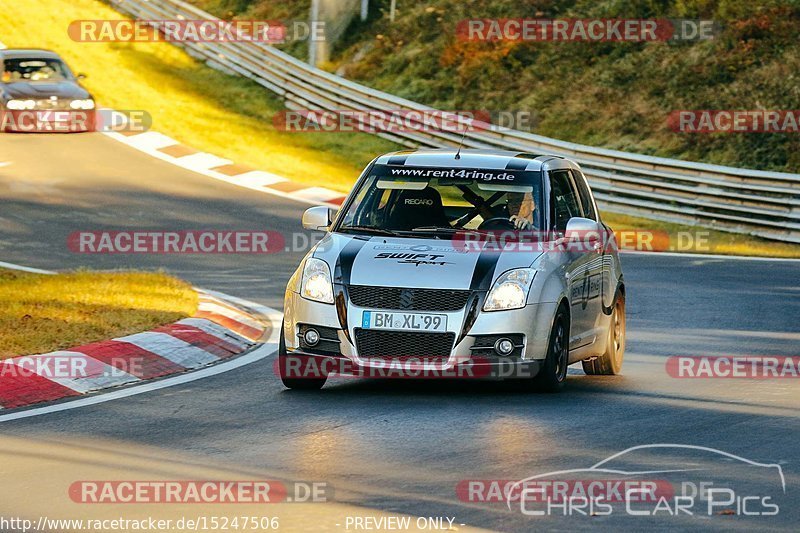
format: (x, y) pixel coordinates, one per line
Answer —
(553, 374)
(610, 363)
(295, 372)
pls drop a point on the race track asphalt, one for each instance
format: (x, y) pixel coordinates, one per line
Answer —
(389, 446)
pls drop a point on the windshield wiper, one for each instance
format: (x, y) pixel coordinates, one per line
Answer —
(445, 229)
(370, 229)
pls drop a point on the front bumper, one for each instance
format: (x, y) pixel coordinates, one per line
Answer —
(533, 322)
(310, 365)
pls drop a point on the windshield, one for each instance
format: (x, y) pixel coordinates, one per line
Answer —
(32, 69)
(430, 201)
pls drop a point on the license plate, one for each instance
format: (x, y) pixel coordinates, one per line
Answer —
(403, 321)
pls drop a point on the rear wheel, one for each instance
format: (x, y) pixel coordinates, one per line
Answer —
(610, 363)
(553, 374)
(291, 369)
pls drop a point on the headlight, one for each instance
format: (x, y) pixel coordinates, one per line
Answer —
(317, 284)
(82, 104)
(20, 104)
(510, 291)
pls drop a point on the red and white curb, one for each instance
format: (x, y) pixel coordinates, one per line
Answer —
(168, 149)
(220, 329)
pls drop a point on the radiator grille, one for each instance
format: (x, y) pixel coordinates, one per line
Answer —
(403, 344)
(408, 299)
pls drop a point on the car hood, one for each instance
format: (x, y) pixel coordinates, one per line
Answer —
(418, 263)
(45, 89)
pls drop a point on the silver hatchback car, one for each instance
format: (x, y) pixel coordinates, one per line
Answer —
(441, 260)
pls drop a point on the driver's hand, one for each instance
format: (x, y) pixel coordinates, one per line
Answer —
(520, 223)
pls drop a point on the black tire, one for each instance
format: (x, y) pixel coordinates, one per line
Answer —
(610, 363)
(302, 383)
(553, 374)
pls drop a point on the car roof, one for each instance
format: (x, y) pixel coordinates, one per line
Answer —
(475, 158)
(15, 53)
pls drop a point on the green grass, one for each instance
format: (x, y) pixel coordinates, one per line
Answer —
(670, 237)
(41, 313)
(615, 95)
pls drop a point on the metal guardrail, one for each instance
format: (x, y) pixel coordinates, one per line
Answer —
(766, 204)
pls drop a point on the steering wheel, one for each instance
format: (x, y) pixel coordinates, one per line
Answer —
(497, 223)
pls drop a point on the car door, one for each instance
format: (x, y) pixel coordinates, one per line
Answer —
(565, 203)
(596, 269)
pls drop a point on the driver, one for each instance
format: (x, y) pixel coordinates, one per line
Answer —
(520, 210)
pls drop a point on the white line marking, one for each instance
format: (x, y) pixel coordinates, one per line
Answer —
(318, 194)
(12, 266)
(149, 141)
(202, 161)
(258, 179)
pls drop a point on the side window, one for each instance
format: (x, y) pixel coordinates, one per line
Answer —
(564, 199)
(587, 207)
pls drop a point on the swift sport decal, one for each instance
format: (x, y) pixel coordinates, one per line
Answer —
(414, 259)
(418, 262)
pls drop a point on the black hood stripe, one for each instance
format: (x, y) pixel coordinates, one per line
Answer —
(398, 160)
(484, 270)
(517, 163)
(341, 279)
(344, 262)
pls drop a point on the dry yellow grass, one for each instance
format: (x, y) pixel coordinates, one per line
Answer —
(40, 313)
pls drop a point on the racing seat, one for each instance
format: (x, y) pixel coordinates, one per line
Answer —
(415, 209)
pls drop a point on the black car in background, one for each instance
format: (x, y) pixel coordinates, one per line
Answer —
(39, 93)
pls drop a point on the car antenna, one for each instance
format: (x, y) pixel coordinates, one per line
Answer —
(460, 144)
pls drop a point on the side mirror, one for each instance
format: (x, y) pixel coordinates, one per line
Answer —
(317, 218)
(81, 76)
(585, 231)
